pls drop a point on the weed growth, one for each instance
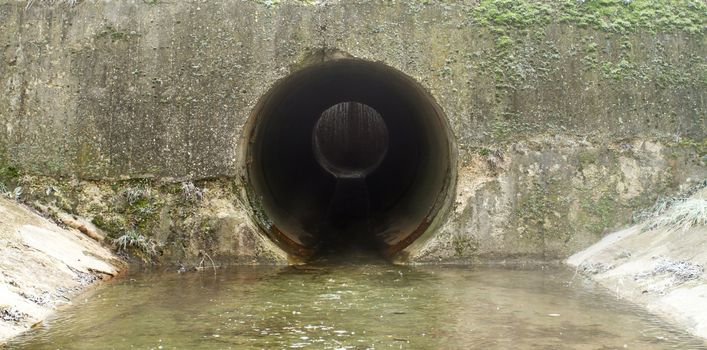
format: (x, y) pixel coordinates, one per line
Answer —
(681, 216)
(675, 213)
(132, 240)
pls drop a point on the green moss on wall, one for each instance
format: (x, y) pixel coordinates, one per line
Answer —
(698, 146)
(273, 3)
(600, 214)
(619, 16)
(9, 176)
(465, 246)
(503, 15)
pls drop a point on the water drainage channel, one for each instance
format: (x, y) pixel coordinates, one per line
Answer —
(348, 154)
(355, 306)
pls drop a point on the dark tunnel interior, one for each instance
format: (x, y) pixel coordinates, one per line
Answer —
(347, 154)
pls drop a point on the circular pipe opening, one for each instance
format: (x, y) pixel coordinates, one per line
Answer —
(347, 154)
(350, 140)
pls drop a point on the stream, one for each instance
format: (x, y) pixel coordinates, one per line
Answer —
(368, 305)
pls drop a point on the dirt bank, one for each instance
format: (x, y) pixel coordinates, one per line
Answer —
(659, 264)
(42, 266)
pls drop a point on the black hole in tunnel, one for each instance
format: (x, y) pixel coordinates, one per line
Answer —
(347, 154)
(350, 140)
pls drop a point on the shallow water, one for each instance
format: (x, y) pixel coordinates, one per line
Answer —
(364, 306)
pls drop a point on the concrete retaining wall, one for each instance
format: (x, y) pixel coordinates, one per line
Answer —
(566, 116)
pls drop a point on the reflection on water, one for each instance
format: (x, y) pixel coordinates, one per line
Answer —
(365, 306)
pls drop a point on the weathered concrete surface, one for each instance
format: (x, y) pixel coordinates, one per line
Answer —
(544, 198)
(189, 225)
(127, 88)
(42, 266)
(660, 269)
(566, 119)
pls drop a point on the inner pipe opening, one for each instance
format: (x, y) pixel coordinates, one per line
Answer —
(347, 155)
(350, 140)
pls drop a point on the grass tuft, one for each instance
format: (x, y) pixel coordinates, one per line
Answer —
(133, 240)
(7, 193)
(134, 195)
(675, 213)
(191, 192)
(681, 216)
(51, 2)
(657, 209)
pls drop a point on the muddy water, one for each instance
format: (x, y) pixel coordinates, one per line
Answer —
(365, 306)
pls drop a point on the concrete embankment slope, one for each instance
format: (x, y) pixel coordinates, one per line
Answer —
(42, 266)
(659, 264)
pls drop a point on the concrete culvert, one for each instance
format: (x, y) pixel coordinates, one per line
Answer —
(347, 154)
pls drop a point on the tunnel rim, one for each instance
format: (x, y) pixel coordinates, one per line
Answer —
(411, 244)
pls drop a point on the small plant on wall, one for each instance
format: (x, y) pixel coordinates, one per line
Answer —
(133, 242)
